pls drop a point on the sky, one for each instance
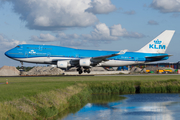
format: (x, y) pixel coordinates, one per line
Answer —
(87, 24)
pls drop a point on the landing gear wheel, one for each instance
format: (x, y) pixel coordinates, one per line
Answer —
(80, 71)
(22, 67)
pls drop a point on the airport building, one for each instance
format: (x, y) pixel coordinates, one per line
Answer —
(165, 65)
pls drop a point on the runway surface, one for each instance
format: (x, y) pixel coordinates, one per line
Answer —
(94, 75)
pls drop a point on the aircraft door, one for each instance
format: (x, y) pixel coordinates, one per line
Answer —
(77, 55)
(40, 48)
(48, 59)
(48, 55)
(26, 54)
(136, 59)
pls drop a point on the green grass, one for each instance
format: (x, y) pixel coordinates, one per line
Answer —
(19, 87)
(26, 87)
(124, 87)
(45, 97)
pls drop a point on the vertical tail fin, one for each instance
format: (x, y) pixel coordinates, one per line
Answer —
(159, 44)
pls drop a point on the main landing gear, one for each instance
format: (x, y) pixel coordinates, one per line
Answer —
(85, 70)
(22, 68)
(80, 70)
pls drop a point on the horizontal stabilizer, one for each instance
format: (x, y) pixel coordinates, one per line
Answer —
(162, 56)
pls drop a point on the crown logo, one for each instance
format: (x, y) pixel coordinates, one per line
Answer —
(32, 51)
(157, 41)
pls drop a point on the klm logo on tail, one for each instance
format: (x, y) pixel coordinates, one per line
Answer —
(157, 45)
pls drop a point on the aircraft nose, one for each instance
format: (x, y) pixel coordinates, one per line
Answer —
(7, 53)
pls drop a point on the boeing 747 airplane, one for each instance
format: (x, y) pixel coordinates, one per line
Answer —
(84, 60)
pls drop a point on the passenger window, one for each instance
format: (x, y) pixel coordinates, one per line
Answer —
(18, 46)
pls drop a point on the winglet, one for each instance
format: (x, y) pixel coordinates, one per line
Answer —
(122, 51)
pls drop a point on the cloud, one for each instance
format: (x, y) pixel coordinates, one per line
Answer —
(132, 12)
(101, 7)
(43, 38)
(166, 6)
(74, 43)
(104, 33)
(54, 14)
(117, 30)
(60, 14)
(101, 34)
(71, 40)
(134, 35)
(63, 36)
(152, 22)
(6, 44)
(64, 39)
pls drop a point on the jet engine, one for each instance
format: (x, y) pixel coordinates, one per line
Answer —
(63, 64)
(85, 62)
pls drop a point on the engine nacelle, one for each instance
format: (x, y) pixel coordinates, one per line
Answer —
(62, 64)
(85, 62)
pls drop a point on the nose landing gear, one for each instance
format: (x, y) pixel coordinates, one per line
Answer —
(22, 68)
(22, 65)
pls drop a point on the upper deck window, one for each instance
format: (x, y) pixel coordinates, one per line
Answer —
(47, 48)
(32, 48)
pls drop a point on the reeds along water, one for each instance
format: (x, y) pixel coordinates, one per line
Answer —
(105, 99)
(129, 87)
(125, 87)
(80, 99)
(168, 86)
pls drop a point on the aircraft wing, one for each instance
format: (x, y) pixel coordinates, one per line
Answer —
(94, 60)
(104, 58)
(97, 60)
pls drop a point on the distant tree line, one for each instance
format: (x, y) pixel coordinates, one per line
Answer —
(26, 69)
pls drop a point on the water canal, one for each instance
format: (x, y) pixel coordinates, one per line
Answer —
(134, 107)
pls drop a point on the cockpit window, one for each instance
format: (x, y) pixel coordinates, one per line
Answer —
(17, 46)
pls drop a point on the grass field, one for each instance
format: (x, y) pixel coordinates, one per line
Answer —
(19, 87)
(42, 98)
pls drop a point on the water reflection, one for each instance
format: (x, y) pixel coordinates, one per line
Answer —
(136, 107)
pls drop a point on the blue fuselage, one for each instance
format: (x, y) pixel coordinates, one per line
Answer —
(49, 54)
